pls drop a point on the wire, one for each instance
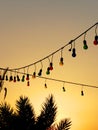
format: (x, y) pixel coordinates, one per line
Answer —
(58, 49)
(57, 80)
(16, 70)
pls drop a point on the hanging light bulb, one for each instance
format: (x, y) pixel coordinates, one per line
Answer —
(63, 89)
(34, 75)
(18, 79)
(82, 93)
(40, 72)
(6, 78)
(45, 85)
(23, 78)
(85, 44)
(96, 40)
(61, 63)
(96, 37)
(14, 79)
(51, 63)
(27, 78)
(51, 66)
(48, 71)
(73, 52)
(11, 77)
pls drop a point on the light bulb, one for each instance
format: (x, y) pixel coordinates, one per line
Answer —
(27, 78)
(63, 89)
(85, 44)
(6, 78)
(40, 72)
(51, 66)
(96, 40)
(34, 75)
(48, 71)
(14, 79)
(45, 85)
(82, 93)
(61, 61)
(11, 78)
(23, 78)
(73, 52)
(18, 79)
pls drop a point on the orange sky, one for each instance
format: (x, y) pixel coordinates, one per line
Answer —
(31, 30)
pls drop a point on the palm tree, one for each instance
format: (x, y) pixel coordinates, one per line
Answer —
(25, 113)
(48, 114)
(24, 116)
(6, 116)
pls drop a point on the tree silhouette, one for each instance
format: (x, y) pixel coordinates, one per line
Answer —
(25, 113)
(24, 116)
(6, 116)
(48, 114)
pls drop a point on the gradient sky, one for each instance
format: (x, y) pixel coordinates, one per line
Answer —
(31, 30)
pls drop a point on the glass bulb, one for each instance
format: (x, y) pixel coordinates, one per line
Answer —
(11, 78)
(51, 66)
(73, 52)
(64, 89)
(23, 78)
(96, 40)
(48, 71)
(40, 72)
(85, 44)
(82, 93)
(34, 75)
(45, 85)
(61, 61)
(18, 79)
(6, 78)
(14, 78)
(27, 78)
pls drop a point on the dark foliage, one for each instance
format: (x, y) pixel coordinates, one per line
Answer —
(24, 117)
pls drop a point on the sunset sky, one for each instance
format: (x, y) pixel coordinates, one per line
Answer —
(31, 30)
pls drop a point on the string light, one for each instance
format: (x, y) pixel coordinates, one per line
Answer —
(45, 84)
(51, 63)
(61, 59)
(82, 92)
(23, 77)
(85, 46)
(63, 87)
(34, 73)
(57, 80)
(69, 43)
(6, 77)
(40, 71)
(74, 51)
(96, 36)
(50, 67)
